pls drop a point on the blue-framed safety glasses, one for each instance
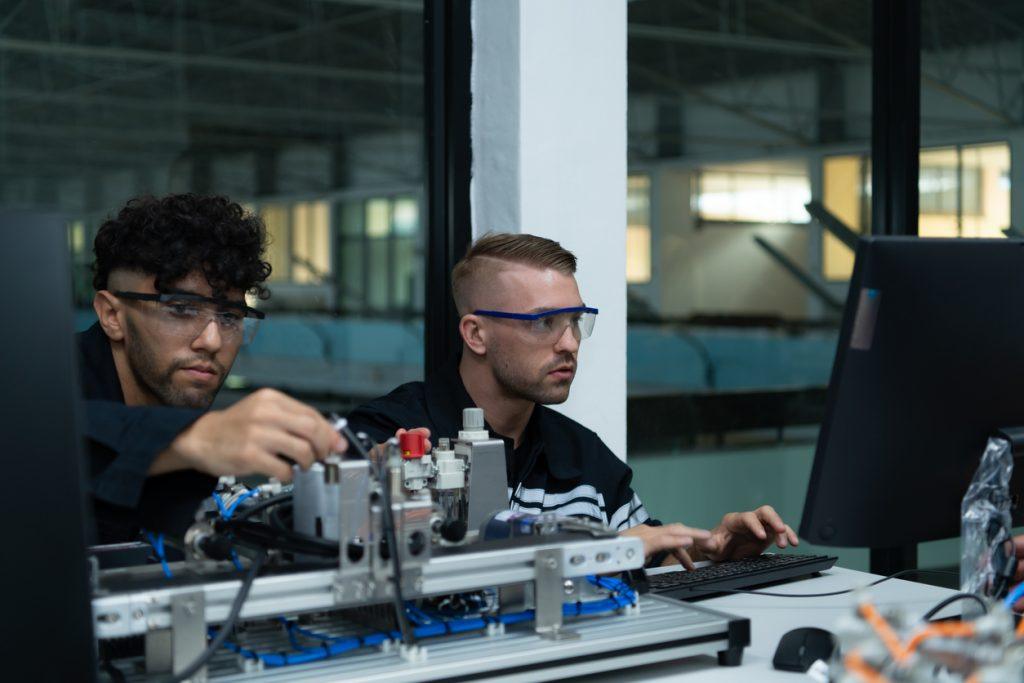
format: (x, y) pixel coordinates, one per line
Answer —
(551, 325)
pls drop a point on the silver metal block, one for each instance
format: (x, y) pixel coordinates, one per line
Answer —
(549, 589)
(188, 625)
(354, 526)
(486, 486)
(158, 651)
(413, 537)
(308, 499)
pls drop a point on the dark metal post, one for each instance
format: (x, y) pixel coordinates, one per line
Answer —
(447, 60)
(895, 145)
(888, 561)
(896, 116)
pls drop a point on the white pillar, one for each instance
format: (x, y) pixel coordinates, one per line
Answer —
(549, 158)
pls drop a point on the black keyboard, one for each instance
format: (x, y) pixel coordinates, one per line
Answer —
(753, 572)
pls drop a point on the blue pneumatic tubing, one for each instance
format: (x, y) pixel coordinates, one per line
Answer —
(427, 626)
(157, 541)
(1015, 595)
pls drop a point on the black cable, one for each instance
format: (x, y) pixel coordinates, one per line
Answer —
(950, 600)
(274, 516)
(396, 565)
(116, 675)
(268, 537)
(829, 594)
(249, 511)
(240, 528)
(229, 623)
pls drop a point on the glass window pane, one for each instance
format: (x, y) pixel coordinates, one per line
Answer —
(844, 195)
(735, 112)
(80, 244)
(378, 218)
(406, 218)
(311, 253)
(986, 190)
(407, 261)
(279, 251)
(762, 192)
(638, 254)
(969, 66)
(377, 297)
(352, 296)
(638, 200)
(351, 218)
(938, 192)
(638, 229)
(301, 111)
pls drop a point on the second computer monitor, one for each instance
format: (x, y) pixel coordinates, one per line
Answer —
(930, 363)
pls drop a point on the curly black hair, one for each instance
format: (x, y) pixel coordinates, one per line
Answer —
(172, 236)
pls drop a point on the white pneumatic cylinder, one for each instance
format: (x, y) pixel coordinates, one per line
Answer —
(451, 471)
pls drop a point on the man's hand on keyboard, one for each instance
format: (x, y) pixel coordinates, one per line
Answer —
(1018, 576)
(744, 534)
(674, 538)
(1018, 550)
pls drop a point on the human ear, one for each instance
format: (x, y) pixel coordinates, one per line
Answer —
(474, 336)
(108, 311)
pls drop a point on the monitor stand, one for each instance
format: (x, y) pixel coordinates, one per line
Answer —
(888, 561)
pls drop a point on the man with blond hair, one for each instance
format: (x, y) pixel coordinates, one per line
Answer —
(522, 320)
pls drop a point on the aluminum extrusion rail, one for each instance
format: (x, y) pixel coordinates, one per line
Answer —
(131, 613)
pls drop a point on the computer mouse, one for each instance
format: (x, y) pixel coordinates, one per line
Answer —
(801, 647)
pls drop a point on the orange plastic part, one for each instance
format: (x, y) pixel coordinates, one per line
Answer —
(856, 665)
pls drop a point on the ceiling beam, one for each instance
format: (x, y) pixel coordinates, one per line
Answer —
(222, 113)
(397, 5)
(746, 42)
(79, 51)
(736, 109)
(852, 51)
(849, 51)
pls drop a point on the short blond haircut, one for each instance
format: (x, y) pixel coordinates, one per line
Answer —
(479, 261)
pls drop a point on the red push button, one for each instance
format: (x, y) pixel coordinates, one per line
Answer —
(413, 445)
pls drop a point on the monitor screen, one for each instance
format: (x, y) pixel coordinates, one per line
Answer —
(930, 363)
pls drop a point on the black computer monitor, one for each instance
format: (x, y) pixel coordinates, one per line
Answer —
(46, 631)
(930, 363)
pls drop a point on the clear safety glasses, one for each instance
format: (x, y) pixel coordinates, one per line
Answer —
(187, 315)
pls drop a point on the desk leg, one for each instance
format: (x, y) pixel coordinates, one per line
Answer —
(731, 657)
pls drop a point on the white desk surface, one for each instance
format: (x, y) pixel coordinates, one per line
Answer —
(770, 617)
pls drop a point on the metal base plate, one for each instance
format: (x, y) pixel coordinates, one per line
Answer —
(659, 630)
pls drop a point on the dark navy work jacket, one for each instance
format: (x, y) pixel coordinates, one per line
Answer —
(559, 466)
(122, 442)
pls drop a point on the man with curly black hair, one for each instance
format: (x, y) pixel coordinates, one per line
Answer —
(171, 275)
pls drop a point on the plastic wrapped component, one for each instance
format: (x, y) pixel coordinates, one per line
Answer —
(987, 561)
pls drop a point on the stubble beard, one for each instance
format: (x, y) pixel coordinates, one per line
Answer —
(160, 382)
(522, 383)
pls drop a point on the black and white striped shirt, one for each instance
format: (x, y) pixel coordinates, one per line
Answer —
(560, 465)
